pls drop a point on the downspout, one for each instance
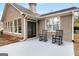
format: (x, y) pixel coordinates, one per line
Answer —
(72, 26)
(37, 28)
(25, 27)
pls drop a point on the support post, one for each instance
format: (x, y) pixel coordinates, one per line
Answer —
(24, 28)
(72, 25)
(36, 28)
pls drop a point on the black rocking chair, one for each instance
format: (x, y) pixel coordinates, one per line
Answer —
(43, 36)
(58, 37)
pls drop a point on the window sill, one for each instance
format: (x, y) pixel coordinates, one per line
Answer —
(14, 33)
(51, 31)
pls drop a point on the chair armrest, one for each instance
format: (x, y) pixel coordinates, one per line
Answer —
(40, 34)
(60, 36)
(53, 36)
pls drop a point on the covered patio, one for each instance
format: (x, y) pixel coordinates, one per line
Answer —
(34, 47)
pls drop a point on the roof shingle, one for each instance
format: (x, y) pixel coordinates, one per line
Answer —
(24, 10)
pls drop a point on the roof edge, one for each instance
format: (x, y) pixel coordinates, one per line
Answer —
(62, 10)
(12, 6)
(15, 7)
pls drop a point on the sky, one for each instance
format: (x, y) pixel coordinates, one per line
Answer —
(45, 7)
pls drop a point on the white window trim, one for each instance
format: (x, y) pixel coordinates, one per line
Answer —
(59, 23)
(13, 31)
(21, 26)
(17, 25)
(52, 29)
(6, 27)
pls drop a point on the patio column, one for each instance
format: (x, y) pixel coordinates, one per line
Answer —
(13, 27)
(72, 25)
(36, 27)
(24, 28)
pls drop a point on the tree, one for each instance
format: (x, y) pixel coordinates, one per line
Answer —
(77, 23)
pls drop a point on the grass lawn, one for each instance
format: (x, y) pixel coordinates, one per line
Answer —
(8, 39)
(76, 44)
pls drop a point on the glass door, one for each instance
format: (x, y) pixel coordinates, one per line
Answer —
(31, 29)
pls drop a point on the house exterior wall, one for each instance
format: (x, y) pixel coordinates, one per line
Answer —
(12, 14)
(41, 26)
(65, 24)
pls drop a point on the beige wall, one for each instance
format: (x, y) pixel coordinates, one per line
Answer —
(41, 26)
(11, 13)
(65, 24)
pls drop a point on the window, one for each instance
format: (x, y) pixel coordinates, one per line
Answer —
(52, 24)
(8, 27)
(11, 27)
(19, 25)
(15, 25)
(5, 26)
(56, 24)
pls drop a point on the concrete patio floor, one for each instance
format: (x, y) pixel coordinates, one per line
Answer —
(34, 47)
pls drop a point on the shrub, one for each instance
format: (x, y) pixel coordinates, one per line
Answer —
(1, 33)
(77, 23)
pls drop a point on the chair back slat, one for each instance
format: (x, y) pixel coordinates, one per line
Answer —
(59, 33)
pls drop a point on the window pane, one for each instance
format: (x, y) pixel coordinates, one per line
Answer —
(56, 24)
(19, 25)
(56, 27)
(5, 26)
(11, 28)
(15, 24)
(8, 26)
(48, 25)
(52, 24)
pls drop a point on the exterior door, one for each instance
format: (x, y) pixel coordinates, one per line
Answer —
(31, 29)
